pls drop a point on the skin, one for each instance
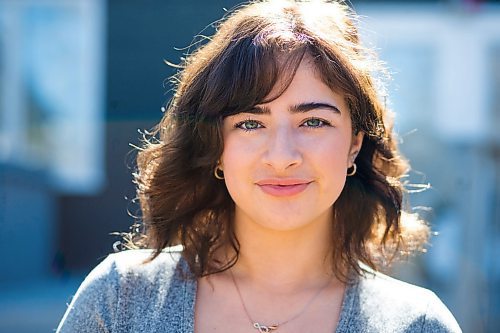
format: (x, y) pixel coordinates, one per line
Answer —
(284, 167)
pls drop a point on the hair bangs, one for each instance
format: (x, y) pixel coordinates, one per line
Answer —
(251, 71)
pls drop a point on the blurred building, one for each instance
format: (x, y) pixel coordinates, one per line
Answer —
(78, 78)
(444, 63)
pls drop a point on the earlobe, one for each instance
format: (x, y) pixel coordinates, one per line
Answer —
(218, 171)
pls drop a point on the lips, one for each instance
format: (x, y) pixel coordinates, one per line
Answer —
(283, 187)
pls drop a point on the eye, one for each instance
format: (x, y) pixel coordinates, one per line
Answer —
(248, 125)
(315, 123)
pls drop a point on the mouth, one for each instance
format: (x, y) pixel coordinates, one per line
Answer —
(283, 187)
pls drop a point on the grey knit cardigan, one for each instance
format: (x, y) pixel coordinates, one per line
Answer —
(124, 295)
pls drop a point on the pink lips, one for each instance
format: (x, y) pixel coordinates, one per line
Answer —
(283, 187)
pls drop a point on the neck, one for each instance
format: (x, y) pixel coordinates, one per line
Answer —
(284, 260)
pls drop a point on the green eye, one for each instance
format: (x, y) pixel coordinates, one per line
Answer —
(251, 124)
(248, 125)
(315, 122)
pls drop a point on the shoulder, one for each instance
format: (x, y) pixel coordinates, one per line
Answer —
(126, 289)
(132, 269)
(133, 264)
(377, 289)
(384, 304)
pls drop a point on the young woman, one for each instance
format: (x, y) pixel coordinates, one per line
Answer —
(272, 196)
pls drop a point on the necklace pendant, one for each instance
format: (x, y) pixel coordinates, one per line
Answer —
(264, 329)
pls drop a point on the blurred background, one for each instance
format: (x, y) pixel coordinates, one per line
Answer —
(79, 78)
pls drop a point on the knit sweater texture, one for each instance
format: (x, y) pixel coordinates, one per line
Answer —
(123, 294)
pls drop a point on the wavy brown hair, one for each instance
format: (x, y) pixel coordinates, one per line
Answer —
(256, 47)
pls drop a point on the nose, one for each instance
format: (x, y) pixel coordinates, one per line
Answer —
(282, 149)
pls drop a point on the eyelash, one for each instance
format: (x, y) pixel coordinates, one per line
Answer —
(324, 123)
(241, 123)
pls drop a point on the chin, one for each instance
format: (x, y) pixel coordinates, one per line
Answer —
(286, 223)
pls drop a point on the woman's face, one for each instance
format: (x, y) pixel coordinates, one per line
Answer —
(285, 162)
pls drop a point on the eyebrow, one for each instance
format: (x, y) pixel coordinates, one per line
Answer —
(297, 108)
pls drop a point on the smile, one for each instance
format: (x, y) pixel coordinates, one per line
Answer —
(283, 187)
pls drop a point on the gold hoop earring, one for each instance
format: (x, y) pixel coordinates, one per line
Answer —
(353, 172)
(218, 172)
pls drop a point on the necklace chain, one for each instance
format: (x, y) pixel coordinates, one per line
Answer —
(268, 328)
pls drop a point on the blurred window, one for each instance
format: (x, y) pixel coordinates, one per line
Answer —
(51, 90)
(412, 93)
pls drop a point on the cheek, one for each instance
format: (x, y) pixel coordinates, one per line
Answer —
(332, 152)
(334, 167)
(234, 155)
(237, 181)
(236, 163)
(331, 162)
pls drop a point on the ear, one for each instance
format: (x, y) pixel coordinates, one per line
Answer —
(356, 143)
(219, 164)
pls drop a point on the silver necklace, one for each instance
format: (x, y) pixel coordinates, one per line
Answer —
(268, 328)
